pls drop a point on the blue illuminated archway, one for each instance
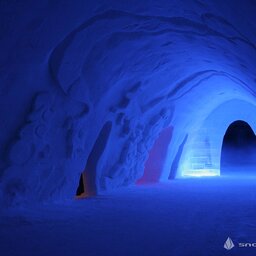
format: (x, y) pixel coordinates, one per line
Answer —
(201, 153)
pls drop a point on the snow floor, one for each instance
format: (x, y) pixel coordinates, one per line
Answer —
(184, 217)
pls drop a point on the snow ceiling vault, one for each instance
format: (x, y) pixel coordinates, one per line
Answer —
(89, 86)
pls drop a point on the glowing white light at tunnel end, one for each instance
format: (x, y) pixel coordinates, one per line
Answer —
(198, 173)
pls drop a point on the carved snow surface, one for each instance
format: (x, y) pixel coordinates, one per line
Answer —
(138, 67)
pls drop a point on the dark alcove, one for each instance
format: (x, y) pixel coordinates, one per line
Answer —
(238, 154)
(88, 183)
(80, 188)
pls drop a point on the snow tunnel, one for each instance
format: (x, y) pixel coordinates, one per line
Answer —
(148, 107)
(128, 93)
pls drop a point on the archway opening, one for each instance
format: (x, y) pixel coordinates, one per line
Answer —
(156, 158)
(238, 155)
(87, 185)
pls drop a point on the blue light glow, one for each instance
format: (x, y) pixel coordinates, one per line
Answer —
(201, 173)
(201, 156)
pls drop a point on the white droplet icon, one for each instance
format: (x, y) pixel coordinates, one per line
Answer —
(229, 244)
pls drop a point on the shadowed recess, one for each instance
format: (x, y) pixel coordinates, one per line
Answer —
(238, 149)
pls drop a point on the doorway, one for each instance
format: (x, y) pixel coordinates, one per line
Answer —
(238, 155)
(157, 157)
